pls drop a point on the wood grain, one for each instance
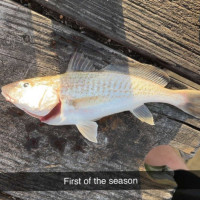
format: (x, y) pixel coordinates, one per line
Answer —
(32, 45)
(164, 31)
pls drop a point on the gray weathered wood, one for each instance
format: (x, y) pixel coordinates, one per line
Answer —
(164, 31)
(4, 196)
(32, 45)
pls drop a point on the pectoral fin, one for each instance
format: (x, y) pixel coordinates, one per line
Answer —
(143, 113)
(89, 130)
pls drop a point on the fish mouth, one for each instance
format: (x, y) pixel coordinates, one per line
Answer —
(7, 97)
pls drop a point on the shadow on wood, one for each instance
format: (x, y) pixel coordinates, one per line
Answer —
(164, 31)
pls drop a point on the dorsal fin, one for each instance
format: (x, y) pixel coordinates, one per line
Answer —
(145, 71)
(79, 62)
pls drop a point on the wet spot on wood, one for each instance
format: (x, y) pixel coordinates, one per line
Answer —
(15, 112)
(30, 127)
(32, 143)
(73, 138)
(79, 146)
(58, 143)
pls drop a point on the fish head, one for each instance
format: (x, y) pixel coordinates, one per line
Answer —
(36, 96)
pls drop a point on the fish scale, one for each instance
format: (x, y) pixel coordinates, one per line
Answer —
(81, 85)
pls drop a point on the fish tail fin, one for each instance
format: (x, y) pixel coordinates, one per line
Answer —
(190, 102)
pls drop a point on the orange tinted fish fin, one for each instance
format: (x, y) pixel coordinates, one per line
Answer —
(79, 62)
(144, 71)
(190, 101)
(89, 130)
(143, 114)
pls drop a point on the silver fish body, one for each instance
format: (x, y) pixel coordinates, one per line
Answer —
(93, 95)
(82, 97)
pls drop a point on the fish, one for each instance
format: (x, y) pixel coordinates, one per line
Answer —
(81, 95)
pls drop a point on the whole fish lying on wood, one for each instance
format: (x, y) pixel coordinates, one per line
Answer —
(82, 96)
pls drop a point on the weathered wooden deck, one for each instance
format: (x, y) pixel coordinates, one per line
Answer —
(164, 31)
(33, 45)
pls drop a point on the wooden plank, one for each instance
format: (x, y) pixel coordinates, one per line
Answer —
(7, 197)
(164, 31)
(32, 45)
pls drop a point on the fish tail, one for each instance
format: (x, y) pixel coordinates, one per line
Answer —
(188, 101)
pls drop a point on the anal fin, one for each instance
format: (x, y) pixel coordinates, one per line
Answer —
(89, 130)
(143, 114)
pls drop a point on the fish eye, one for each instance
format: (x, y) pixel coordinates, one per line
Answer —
(25, 85)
